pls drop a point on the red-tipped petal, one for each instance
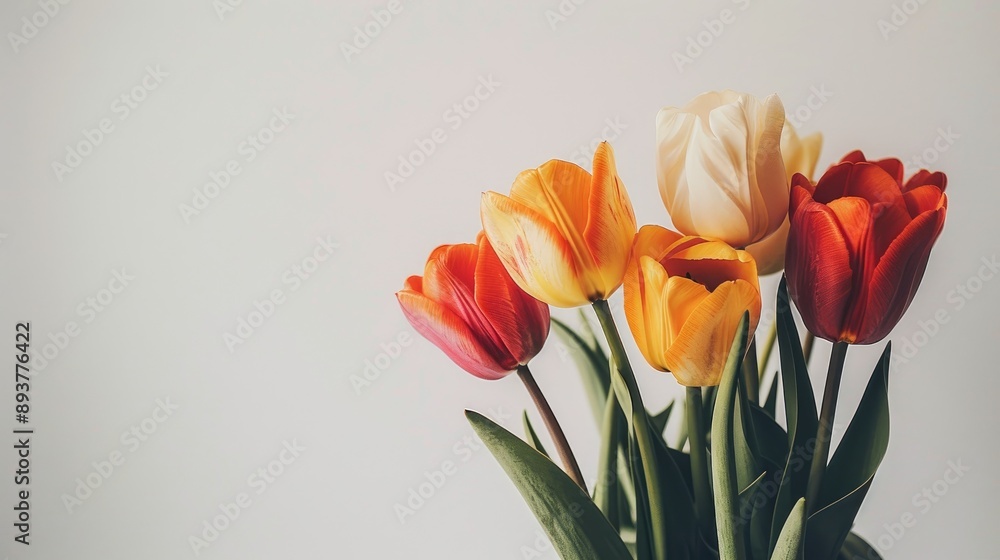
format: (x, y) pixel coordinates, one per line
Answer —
(521, 321)
(449, 333)
(449, 279)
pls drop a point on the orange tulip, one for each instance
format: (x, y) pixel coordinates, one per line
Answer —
(684, 300)
(467, 305)
(564, 234)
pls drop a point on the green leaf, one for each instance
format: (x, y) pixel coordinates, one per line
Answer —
(772, 452)
(856, 548)
(607, 490)
(575, 526)
(771, 402)
(731, 542)
(533, 440)
(800, 414)
(789, 545)
(592, 363)
(852, 468)
(660, 420)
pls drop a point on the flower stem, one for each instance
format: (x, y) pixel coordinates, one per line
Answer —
(751, 375)
(772, 337)
(558, 437)
(641, 429)
(703, 500)
(824, 431)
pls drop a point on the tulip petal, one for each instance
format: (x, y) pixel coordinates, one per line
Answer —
(449, 333)
(922, 199)
(770, 253)
(800, 154)
(557, 190)
(711, 263)
(611, 226)
(651, 319)
(818, 266)
(521, 321)
(681, 297)
(893, 167)
(450, 279)
(924, 177)
(533, 251)
(854, 157)
(898, 274)
(698, 355)
(767, 174)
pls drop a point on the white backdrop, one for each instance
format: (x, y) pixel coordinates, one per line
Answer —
(117, 116)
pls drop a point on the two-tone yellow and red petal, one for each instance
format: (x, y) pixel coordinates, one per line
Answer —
(468, 306)
(563, 234)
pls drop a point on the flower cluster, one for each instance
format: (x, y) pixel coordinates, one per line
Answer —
(737, 181)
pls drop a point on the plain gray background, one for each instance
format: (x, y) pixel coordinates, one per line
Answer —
(897, 78)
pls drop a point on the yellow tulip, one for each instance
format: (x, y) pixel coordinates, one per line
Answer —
(800, 156)
(684, 299)
(563, 234)
(719, 166)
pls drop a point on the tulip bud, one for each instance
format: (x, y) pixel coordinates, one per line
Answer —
(468, 306)
(719, 166)
(858, 245)
(684, 300)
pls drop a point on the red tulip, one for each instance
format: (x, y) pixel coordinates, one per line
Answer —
(468, 306)
(859, 244)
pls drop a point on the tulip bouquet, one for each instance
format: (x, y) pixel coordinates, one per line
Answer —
(738, 184)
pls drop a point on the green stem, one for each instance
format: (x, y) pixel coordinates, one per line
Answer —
(751, 375)
(703, 498)
(643, 436)
(555, 430)
(772, 337)
(824, 431)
